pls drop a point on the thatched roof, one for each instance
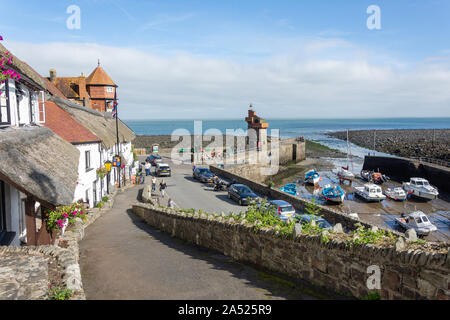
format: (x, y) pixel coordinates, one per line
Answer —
(26, 72)
(39, 163)
(102, 125)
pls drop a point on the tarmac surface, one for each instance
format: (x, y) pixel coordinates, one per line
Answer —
(121, 257)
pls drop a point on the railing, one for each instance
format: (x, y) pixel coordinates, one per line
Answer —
(434, 161)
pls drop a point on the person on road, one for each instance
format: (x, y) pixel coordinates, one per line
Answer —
(162, 188)
(170, 203)
(154, 182)
(147, 167)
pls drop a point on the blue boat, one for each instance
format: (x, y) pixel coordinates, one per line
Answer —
(290, 188)
(333, 194)
(312, 177)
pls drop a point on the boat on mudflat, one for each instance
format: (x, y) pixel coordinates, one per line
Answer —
(290, 188)
(333, 194)
(344, 173)
(372, 176)
(421, 189)
(418, 221)
(312, 177)
(370, 192)
(397, 194)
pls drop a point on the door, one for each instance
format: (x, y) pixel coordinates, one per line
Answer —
(94, 192)
(2, 207)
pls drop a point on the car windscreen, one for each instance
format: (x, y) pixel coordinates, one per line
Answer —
(287, 209)
(244, 190)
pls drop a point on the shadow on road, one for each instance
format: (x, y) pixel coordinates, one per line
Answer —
(224, 197)
(276, 284)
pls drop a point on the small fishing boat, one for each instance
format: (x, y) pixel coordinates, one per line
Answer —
(370, 192)
(345, 174)
(312, 177)
(418, 221)
(375, 177)
(420, 188)
(397, 194)
(333, 194)
(290, 188)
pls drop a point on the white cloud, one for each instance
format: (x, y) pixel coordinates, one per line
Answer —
(304, 84)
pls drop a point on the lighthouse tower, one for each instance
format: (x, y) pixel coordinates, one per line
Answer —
(260, 126)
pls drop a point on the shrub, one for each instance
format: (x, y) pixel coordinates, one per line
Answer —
(105, 199)
(60, 293)
(100, 205)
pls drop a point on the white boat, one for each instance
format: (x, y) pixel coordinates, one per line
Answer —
(370, 192)
(418, 221)
(397, 194)
(344, 173)
(420, 188)
(312, 177)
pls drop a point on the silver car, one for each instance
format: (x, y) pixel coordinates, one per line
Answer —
(163, 169)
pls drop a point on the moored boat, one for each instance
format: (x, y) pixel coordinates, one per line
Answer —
(290, 188)
(333, 194)
(312, 177)
(418, 221)
(421, 188)
(370, 192)
(397, 194)
(375, 177)
(344, 173)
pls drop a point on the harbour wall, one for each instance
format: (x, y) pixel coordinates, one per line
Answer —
(336, 266)
(332, 216)
(401, 169)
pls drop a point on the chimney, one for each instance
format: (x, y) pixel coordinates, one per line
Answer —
(52, 75)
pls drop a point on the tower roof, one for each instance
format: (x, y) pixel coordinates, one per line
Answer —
(99, 77)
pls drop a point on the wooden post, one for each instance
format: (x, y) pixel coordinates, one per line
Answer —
(30, 220)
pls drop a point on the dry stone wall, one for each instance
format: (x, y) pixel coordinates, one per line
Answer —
(413, 274)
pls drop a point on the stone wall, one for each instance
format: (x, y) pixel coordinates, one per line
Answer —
(292, 150)
(412, 274)
(402, 169)
(328, 214)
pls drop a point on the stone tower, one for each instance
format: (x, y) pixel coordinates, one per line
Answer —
(260, 126)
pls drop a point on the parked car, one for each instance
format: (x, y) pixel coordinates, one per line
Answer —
(306, 218)
(242, 194)
(204, 175)
(163, 169)
(283, 209)
(154, 159)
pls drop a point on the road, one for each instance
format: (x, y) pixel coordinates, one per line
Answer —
(121, 257)
(189, 193)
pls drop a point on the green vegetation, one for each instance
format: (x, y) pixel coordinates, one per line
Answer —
(105, 199)
(372, 296)
(60, 293)
(100, 205)
(365, 236)
(316, 149)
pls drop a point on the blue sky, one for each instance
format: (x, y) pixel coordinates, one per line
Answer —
(236, 49)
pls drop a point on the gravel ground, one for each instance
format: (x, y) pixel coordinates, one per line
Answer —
(404, 143)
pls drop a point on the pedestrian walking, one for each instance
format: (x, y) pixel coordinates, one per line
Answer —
(147, 167)
(154, 182)
(162, 188)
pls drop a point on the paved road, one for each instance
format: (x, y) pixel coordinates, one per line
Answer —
(121, 257)
(189, 193)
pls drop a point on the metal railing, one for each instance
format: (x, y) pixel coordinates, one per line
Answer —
(439, 162)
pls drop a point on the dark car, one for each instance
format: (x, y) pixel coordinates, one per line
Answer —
(320, 222)
(154, 159)
(204, 175)
(242, 194)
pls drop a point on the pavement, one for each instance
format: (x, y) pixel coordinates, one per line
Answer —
(121, 257)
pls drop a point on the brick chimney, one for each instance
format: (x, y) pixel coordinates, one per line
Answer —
(52, 75)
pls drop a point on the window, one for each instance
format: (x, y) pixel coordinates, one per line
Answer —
(88, 160)
(110, 89)
(4, 104)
